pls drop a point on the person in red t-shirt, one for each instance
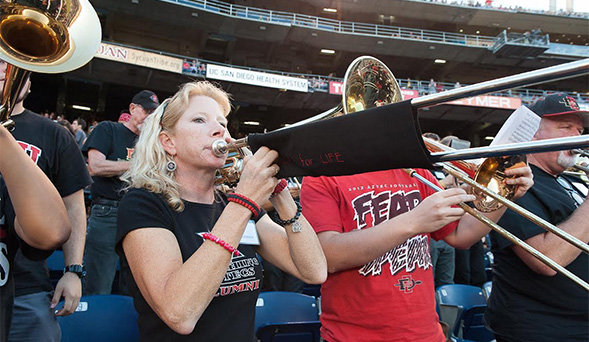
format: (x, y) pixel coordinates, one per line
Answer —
(374, 229)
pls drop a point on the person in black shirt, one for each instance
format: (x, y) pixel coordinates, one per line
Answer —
(529, 300)
(196, 275)
(109, 148)
(54, 151)
(42, 224)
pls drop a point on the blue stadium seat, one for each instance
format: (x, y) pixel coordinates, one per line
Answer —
(55, 261)
(462, 307)
(101, 318)
(55, 265)
(287, 316)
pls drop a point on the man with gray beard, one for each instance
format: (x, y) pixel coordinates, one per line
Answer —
(529, 300)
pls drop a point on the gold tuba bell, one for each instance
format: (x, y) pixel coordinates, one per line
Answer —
(45, 36)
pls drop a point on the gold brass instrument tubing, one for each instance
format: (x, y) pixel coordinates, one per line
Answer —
(518, 209)
(581, 168)
(508, 235)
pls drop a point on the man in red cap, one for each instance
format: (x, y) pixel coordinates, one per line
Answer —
(529, 300)
(109, 148)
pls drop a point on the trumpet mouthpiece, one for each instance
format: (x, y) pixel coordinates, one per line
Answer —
(219, 147)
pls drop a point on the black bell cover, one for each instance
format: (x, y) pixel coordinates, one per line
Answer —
(380, 138)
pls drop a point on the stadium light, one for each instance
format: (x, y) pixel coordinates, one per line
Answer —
(440, 61)
(327, 51)
(81, 107)
(330, 10)
(251, 123)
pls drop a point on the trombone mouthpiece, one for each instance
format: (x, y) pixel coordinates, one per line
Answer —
(219, 147)
(583, 153)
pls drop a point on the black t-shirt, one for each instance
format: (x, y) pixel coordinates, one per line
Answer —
(230, 315)
(55, 151)
(117, 143)
(9, 244)
(523, 303)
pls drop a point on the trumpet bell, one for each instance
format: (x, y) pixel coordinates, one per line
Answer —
(491, 174)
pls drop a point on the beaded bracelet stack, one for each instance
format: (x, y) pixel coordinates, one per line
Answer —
(296, 226)
(246, 202)
(227, 246)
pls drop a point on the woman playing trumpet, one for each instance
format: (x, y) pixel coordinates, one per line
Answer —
(181, 238)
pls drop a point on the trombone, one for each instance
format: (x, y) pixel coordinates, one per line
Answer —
(505, 233)
(355, 101)
(352, 102)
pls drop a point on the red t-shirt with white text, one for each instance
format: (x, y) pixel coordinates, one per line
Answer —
(392, 297)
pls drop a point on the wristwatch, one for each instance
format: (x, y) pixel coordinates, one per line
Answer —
(79, 270)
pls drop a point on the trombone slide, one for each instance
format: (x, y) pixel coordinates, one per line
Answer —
(508, 235)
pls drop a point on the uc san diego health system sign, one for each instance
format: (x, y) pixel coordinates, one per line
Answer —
(256, 78)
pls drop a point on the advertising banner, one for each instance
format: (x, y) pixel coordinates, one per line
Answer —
(137, 57)
(502, 102)
(256, 78)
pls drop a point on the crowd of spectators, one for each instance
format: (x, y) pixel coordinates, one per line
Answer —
(513, 8)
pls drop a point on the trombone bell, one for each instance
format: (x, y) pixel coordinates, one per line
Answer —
(491, 174)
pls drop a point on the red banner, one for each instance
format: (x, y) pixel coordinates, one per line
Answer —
(503, 102)
(335, 87)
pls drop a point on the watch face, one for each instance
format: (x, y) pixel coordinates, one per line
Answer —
(296, 227)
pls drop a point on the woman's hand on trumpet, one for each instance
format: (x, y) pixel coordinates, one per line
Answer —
(258, 179)
(519, 174)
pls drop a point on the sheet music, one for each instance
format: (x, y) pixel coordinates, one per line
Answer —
(521, 126)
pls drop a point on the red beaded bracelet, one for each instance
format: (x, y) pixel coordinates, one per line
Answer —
(279, 187)
(246, 202)
(228, 247)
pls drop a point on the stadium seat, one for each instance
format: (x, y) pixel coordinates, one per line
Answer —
(487, 289)
(101, 318)
(55, 265)
(462, 307)
(286, 316)
(55, 261)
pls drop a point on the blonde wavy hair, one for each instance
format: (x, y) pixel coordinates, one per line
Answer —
(148, 164)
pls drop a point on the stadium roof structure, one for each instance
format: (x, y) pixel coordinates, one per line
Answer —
(287, 36)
